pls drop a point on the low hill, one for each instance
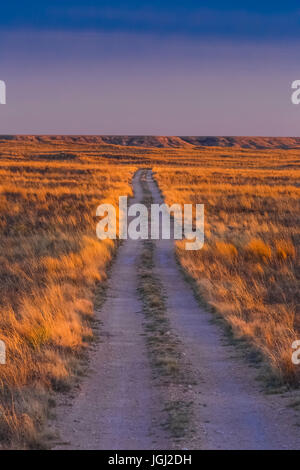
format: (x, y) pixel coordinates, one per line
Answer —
(163, 141)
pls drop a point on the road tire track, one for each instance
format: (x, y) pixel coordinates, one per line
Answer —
(117, 406)
(119, 403)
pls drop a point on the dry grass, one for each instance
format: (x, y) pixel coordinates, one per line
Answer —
(50, 263)
(248, 269)
(51, 259)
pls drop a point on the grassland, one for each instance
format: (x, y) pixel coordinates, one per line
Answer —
(51, 260)
(248, 270)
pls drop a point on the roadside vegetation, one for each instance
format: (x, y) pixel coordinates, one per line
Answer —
(51, 260)
(248, 269)
(50, 264)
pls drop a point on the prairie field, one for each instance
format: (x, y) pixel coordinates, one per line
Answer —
(53, 267)
(248, 269)
(51, 261)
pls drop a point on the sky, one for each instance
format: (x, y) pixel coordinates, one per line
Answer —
(141, 67)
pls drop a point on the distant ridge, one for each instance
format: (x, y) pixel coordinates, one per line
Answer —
(164, 141)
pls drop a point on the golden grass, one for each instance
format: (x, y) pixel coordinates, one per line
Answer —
(248, 269)
(51, 259)
(50, 263)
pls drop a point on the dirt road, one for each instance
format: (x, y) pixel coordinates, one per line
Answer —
(119, 404)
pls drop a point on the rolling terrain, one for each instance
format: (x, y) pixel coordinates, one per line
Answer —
(76, 313)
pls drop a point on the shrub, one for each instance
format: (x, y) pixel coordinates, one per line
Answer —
(228, 250)
(285, 249)
(258, 249)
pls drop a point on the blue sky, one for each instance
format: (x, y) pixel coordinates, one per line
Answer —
(247, 19)
(168, 67)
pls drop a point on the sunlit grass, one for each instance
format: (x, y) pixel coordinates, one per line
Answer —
(51, 261)
(248, 269)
